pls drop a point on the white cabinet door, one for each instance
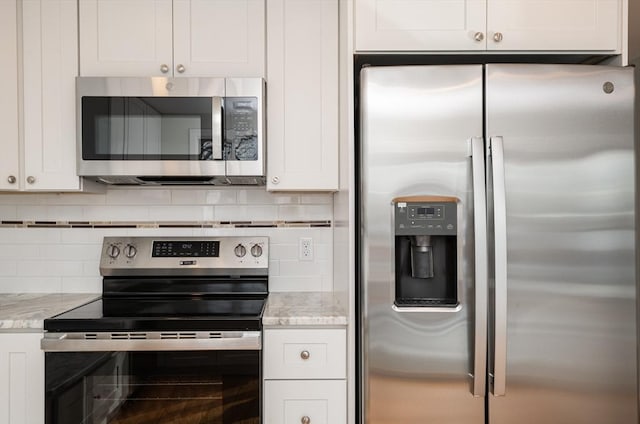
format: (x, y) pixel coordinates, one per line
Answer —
(321, 401)
(21, 378)
(544, 25)
(420, 25)
(219, 38)
(172, 38)
(9, 141)
(302, 105)
(50, 65)
(126, 37)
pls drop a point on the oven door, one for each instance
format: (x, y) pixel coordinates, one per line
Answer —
(125, 378)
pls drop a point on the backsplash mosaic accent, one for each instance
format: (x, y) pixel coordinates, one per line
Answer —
(52, 242)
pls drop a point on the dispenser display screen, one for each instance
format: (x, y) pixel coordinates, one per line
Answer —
(426, 211)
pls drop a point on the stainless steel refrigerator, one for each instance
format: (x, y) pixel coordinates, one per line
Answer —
(497, 245)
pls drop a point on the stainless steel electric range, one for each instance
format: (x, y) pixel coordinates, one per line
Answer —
(175, 337)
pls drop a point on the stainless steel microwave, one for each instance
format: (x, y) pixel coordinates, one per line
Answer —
(171, 130)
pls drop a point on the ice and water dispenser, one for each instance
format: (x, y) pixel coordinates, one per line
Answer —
(426, 251)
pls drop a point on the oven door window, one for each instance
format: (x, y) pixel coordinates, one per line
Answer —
(149, 128)
(153, 387)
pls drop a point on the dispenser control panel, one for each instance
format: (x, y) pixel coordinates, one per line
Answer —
(425, 218)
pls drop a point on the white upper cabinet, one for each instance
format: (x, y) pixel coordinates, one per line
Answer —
(419, 25)
(50, 66)
(38, 92)
(9, 138)
(302, 101)
(500, 25)
(172, 38)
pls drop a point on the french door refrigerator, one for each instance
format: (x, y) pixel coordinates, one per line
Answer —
(497, 245)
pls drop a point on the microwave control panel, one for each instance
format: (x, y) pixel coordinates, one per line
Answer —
(241, 128)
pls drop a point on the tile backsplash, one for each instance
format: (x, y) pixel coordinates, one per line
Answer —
(52, 242)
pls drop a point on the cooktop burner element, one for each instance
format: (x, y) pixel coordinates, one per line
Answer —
(175, 284)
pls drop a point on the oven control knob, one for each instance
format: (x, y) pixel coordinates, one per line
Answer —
(113, 251)
(130, 251)
(256, 250)
(240, 251)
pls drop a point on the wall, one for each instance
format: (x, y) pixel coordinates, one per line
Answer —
(52, 242)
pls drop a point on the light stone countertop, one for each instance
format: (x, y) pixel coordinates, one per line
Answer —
(23, 312)
(304, 308)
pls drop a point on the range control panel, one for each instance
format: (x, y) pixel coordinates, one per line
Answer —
(425, 218)
(184, 256)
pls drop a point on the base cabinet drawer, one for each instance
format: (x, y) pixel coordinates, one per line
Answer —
(305, 354)
(305, 402)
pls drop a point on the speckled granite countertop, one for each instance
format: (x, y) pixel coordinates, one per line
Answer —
(304, 308)
(20, 312)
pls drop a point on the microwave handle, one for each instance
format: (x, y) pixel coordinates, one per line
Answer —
(216, 128)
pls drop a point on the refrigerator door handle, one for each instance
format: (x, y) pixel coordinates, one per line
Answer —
(481, 264)
(496, 146)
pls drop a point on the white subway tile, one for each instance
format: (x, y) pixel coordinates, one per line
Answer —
(188, 196)
(22, 199)
(303, 268)
(221, 196)
(30, 284)
(91, 269)
(64, 252)
(116, 213)
(18, 251)
(88, 235)
(281, 283)
(64, 213)
(77, 199)
(81, 285)
(33, 236)
(181, 213)
(158, 232)
(284, 251)
(256, 196)
(8, 212)
(8, 267)
(138, 196)
(274, 268)
(316, 198)
(40, 268)
(305, 212)
(31, 212)
(246, 213)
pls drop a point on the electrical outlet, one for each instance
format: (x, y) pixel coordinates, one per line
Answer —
(306, 249)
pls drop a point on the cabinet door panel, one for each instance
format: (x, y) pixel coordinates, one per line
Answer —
(302, 110)
(219, 37)
(9, 142)
(21, 378)
(125, 37)
(322, 401)
(50, 67)
(554, 25)
(409, 25)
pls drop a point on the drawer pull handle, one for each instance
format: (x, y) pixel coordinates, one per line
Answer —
(305, 420)
(305, 355)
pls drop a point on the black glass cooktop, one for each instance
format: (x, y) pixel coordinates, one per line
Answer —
(160, 314)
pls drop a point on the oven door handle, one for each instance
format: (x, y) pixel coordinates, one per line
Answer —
(145, 341)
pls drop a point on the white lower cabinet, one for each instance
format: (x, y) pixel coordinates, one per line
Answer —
(305, 402)
(305, 376)
(21, 378)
